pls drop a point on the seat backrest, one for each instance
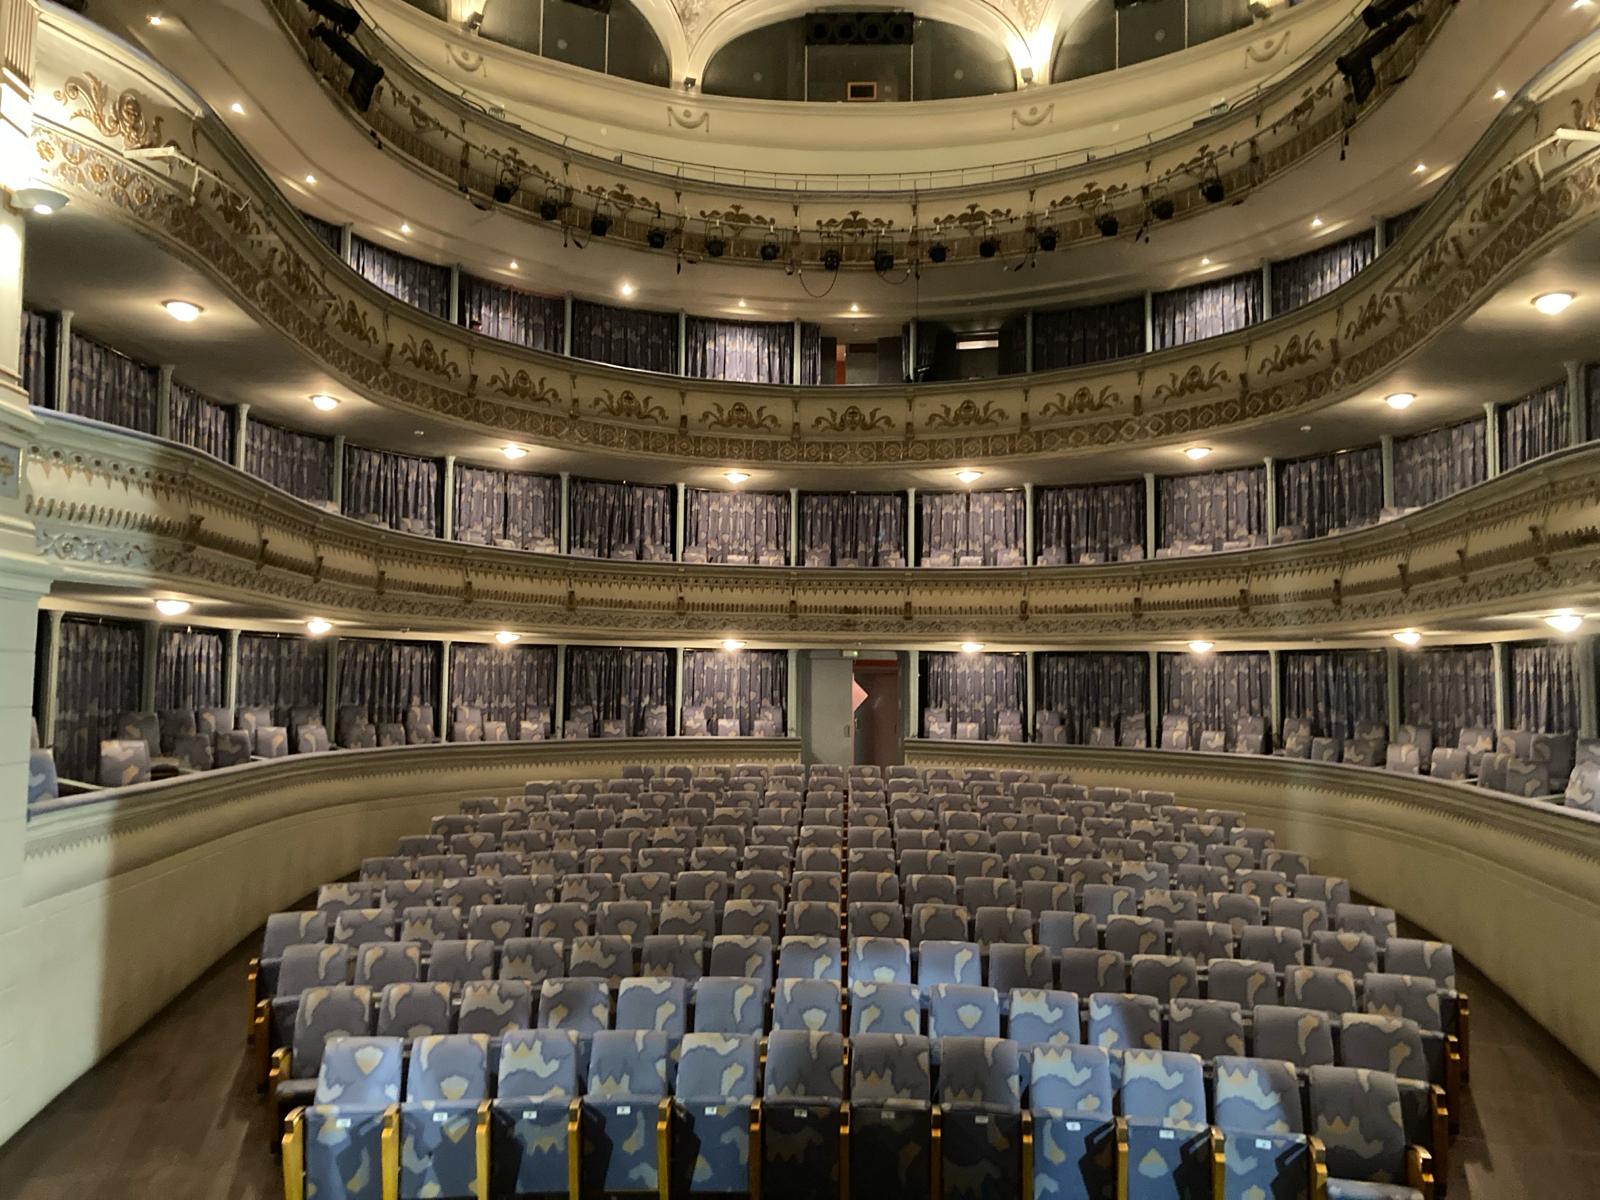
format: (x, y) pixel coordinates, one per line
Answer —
(360, 1072)
(657, 1005)
(717, 1067)
(884, 1008)
(892, 1068)
(1071, 1079)
(728, 1005)
(630, 1063)
(312, 965)
(1166, 1086)
(324, 1013)
(538, 1064)
(449, 1067)
(961, 1010)
(581, 1005)
(1301, 1036)
(1256, 1095)
(1380, 1043)
(980, 1072)
(804, 1065)
(1357, 1115)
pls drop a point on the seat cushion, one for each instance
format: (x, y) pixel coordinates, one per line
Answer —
(1354, 1189)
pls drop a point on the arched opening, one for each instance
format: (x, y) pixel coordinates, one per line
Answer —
(1106, 36)
(615, 39)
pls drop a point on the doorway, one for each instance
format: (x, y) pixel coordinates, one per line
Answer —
(876, 692)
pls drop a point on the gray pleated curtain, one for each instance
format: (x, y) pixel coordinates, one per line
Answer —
(621, 683)
(741, 527)
(1300, 280)
(1072, 337)
(510, 509)
(1432, 466)
(111, 387)
(1013, 349)
(423, 285)
(298, 463)
(385, 676)
(1592, 375)
(853, 529)
(512, 315)
(326, 232)
(1394, 228)
(1542, 678)
(202, 423)
(1535, 425)
(736, 685)
(100, 673)
(811, 355)
(191, 669)
(973, 689)
(739, 351)
(1097, 521)
(1335, 689)
(1449, 688)
(1215, 690)
(509, 683)
(1090, 689)
(1218, 507)
(396, 490)
(284, 672)
(620, 520)
(962, 529)
(38, 357)
(1205, 310)
(1330, 491)
(625, 337)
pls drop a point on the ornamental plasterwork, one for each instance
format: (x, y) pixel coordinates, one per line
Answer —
(119, 117)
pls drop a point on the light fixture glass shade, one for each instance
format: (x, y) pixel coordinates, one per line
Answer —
(1400, 400)
(316, 627)
(1554, 303)
(513, 451)
(172, 608)
(732, 644)
(971, 647)
(324, 402)
(182, 310)
(1199, 646)
(1408, 637)
(969, 475)
(1564, 621)
(736, 476)
(505, 637)
(1196, 453)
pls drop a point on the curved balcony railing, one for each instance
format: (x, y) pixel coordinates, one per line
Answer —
(1530, 181)
(109, 506)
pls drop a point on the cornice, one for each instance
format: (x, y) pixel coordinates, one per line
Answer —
(110, 505)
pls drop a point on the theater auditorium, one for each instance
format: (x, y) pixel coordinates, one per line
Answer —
(981, 600)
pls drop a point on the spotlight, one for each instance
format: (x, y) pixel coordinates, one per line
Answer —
(971, 647)
(316, 627)
(770, 249)
(1212, 190)
(716, 247)
(1045, 239)
(883, 261)
(1162, 208)
(1563, 620)
(365, 75)
(549, 208)
(1408, 637)
(506, 638)
(172, 608)
(1200, 647)
(504, 190)
(599, 224)
(323, 402)
(656, 239)
(341, 16)
(987, 247)
(1107, 224)
(937, 252)
(831, 259)
(182, 310)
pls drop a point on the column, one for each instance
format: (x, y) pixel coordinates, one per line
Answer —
(911, 527)
(63, 362)
(441, 715)
(1027, 345)
(147, 672)
(1266, 290)
(1275, 705)
(1392, 692)
(1588, 698)
(1149, 515)
(1030, 550)
(1272, 498)
(1578, 404)
(560, 720)
(566, 325)
(913, 694)
(1500, 715)
(1155, 698)
(49, 702)
(683, 342)
(164, 400)
(911, 350)
(564, 534)
(330, 697)
(679, 523)
(346, 237)
(447, 499)
(674, 719)
(230, 682)
(791, 703)
(455, 293)
(1386, 451)
(1028, 709)
(1491, 412)
(338, 470)
(241, 432)
(1149, 321)
(796, 356)
(1380, 236)
(794, 527)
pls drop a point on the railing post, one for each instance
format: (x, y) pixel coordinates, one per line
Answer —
(683, 342)
(1030, 548)
(1027, 344)
(1028, 709)
(1272, 498)
(330, 696)
(791, 711)
(63, 365)
(1150, 524)
(441, 719)
(564, 533)
(566, 325)
(447, 499)
(796, 356)
(679, 522)
(50, 697)
(1588, 720)
(673, 721)
(913, 694)
(1155, 698)
(1386, 453)
(241, 433)
(164, 401)
(455, 293)
(1491, 438)
(1275, 694)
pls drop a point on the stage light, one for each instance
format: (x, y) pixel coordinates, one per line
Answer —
(549, 208)
(716, 247)
(1162, 208)
(1212, 190)
(1045, 239)
(1107, 224)
(937, 252)
(599, 224)
(831, 260)
(504, 190)
(770, 248)
(656, 239)
(987, 247)
(882, 261)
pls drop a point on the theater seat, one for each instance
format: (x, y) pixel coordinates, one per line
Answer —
(344, 1144)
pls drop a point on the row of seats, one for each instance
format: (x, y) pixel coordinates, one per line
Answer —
(710, 1115)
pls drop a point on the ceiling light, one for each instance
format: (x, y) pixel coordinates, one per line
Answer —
(1420, 169)
(41, 200)
(1408, 637)
(971, 647)
(736, 476)
(1305, 429)
(1499, 94)
(513, 451)
(990, 342)
(625, 288)
(173, 608)
(182, 310)
(512, 264)
(236, 108)
(1196, 453)
(1316, 222)
(316, 627)
(1564, 621)
(404, 228)
(1553, 304)
(969, 475)
(505, 637)
(732, 644)
(311, 179)
(1400, 400)
(1200, 647)
(153, 19)
(324, 402)
(855, 308)
(1205, 262)
(741, 303)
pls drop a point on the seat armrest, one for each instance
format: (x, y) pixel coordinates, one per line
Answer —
(664, 1148)
(1419, 1170)
(294, 1156)
(1439, 1123)
(1219, 1163)
(1319, 1168)
(1027, 1154)
(481, 1133)
(844, 1139)
(1121, 1167)
(755, 1149)
(936, 1152)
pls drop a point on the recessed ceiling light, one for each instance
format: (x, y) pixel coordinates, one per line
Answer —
(419, 433)
(513, 451)
(741, 303)
(1200, 647)
(971, 647)
(1305, 429)
(172, 608)
(1196, 453)
(732, 644)
(625, 288)
(316, 627)
(736, 476)
(1564, 620)
(1205, 262)
(512, 264)
(1408, 637)
(153, 19)
(311, 179)
(1499, 94)
(1420, 169)
(324, 402)
(404, 227)
(236, 109)
(182, 310)
(1553, 304)
(969, 475)
(855, 308)
(1400, 400)
(1316, 222)
(505, 637)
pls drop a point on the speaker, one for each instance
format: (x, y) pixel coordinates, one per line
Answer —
(860, 29)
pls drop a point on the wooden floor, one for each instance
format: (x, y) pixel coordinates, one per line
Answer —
(170, 1114)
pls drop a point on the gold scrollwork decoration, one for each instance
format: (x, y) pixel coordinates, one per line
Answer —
(739, 415)
(1296, 352)
(966, 415)
(626, 406)
(425, 356)
(121, 116)
(523, 386)
(1079, 403)
(1193, 382)
(352, 321)
(851, 420)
